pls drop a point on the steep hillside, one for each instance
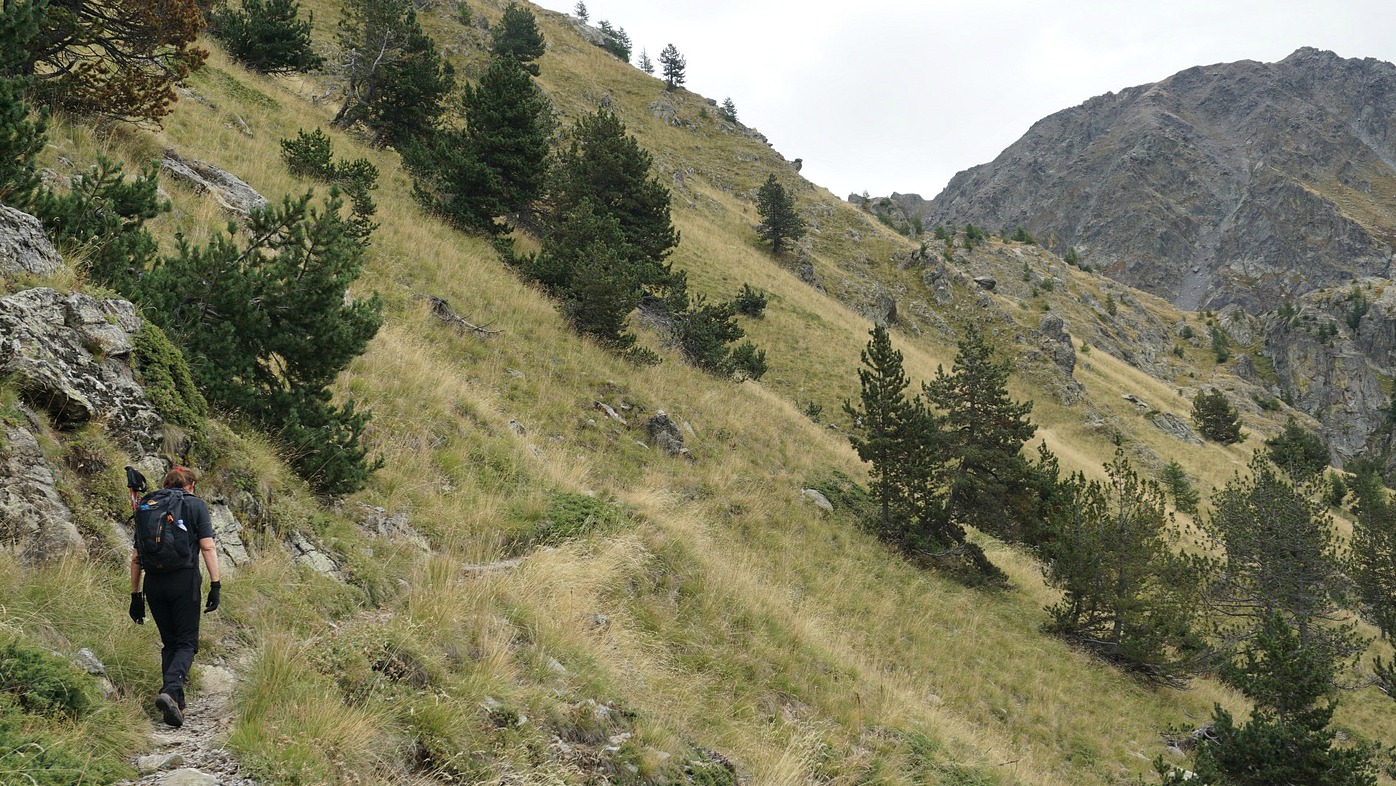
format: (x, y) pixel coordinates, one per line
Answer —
(532, 590)
(1238, 183)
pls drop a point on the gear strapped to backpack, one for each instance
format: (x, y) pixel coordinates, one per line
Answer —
(163, 541)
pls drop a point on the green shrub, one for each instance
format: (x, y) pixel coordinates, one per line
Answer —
(309, 155)
(705, 333)
(167, 381)
(1358, 308)
(42, 683)
(29, 757)
(569, 515)
(1220, 345)
(750, 302)
(844, 493)
(267, 36)
(312, 155)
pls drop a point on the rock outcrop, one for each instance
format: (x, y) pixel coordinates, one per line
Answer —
(70, 355)
(24, 245)
(231, 193)
(664, 434)
(34, 520)
(1330, 370)
(227, 532)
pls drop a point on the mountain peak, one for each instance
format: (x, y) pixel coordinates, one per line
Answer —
(1238, 183)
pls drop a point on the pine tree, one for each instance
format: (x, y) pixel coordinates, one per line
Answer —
(1215, 418)
(728, 111)
(780, 221)
(1175, 480)
(1287, 739)
(103, 215)
(904, 440)
(283, 331)
(267, 36)
(606, 166)
(615, 40)
(409, 98)
(22, 132)
(607, 234)
(518, 38)
(1373, 565)
(396, 80)
(586, 262)
(497, 164)
(992, 486)
(581, 10)
(1281, 557)
(646, 64)
(886, 421)
(674, 65)
(119, 59)
(1126, 595)
(1298, 451)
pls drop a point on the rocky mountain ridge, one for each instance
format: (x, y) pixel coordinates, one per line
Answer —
(1241, 182)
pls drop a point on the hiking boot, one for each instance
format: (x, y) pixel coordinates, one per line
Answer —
(171, 711)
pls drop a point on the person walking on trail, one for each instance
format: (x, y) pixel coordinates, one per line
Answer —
(169, 523)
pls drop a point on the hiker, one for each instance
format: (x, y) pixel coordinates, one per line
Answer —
(172, 579)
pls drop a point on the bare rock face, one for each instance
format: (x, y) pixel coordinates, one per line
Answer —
(70, 355)
(34, 521)
(227, 532)
(1057, 343)
(234, 195)
(24, 245)
(306, 552)
(378, 522)
(1232, 183)
(1175, 427)
(1333, 372)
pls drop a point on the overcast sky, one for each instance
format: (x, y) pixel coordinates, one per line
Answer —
(897, 95)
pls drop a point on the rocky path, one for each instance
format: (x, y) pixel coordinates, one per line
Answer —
(193, 755)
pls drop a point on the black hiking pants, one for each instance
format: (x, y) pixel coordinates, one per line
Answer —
(175, 606)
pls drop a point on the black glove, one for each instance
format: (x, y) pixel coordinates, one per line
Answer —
(213, 592)
(137, 608)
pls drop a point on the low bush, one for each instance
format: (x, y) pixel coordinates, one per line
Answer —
(43, 684)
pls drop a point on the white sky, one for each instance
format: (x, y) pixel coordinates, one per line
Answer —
(898, 95)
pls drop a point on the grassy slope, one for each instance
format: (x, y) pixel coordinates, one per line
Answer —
(737, 616)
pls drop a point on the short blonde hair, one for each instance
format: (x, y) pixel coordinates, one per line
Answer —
(179, 477)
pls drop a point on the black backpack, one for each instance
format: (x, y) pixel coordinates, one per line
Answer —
(163, 541)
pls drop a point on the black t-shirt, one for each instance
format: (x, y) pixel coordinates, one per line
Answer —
(196, 517)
